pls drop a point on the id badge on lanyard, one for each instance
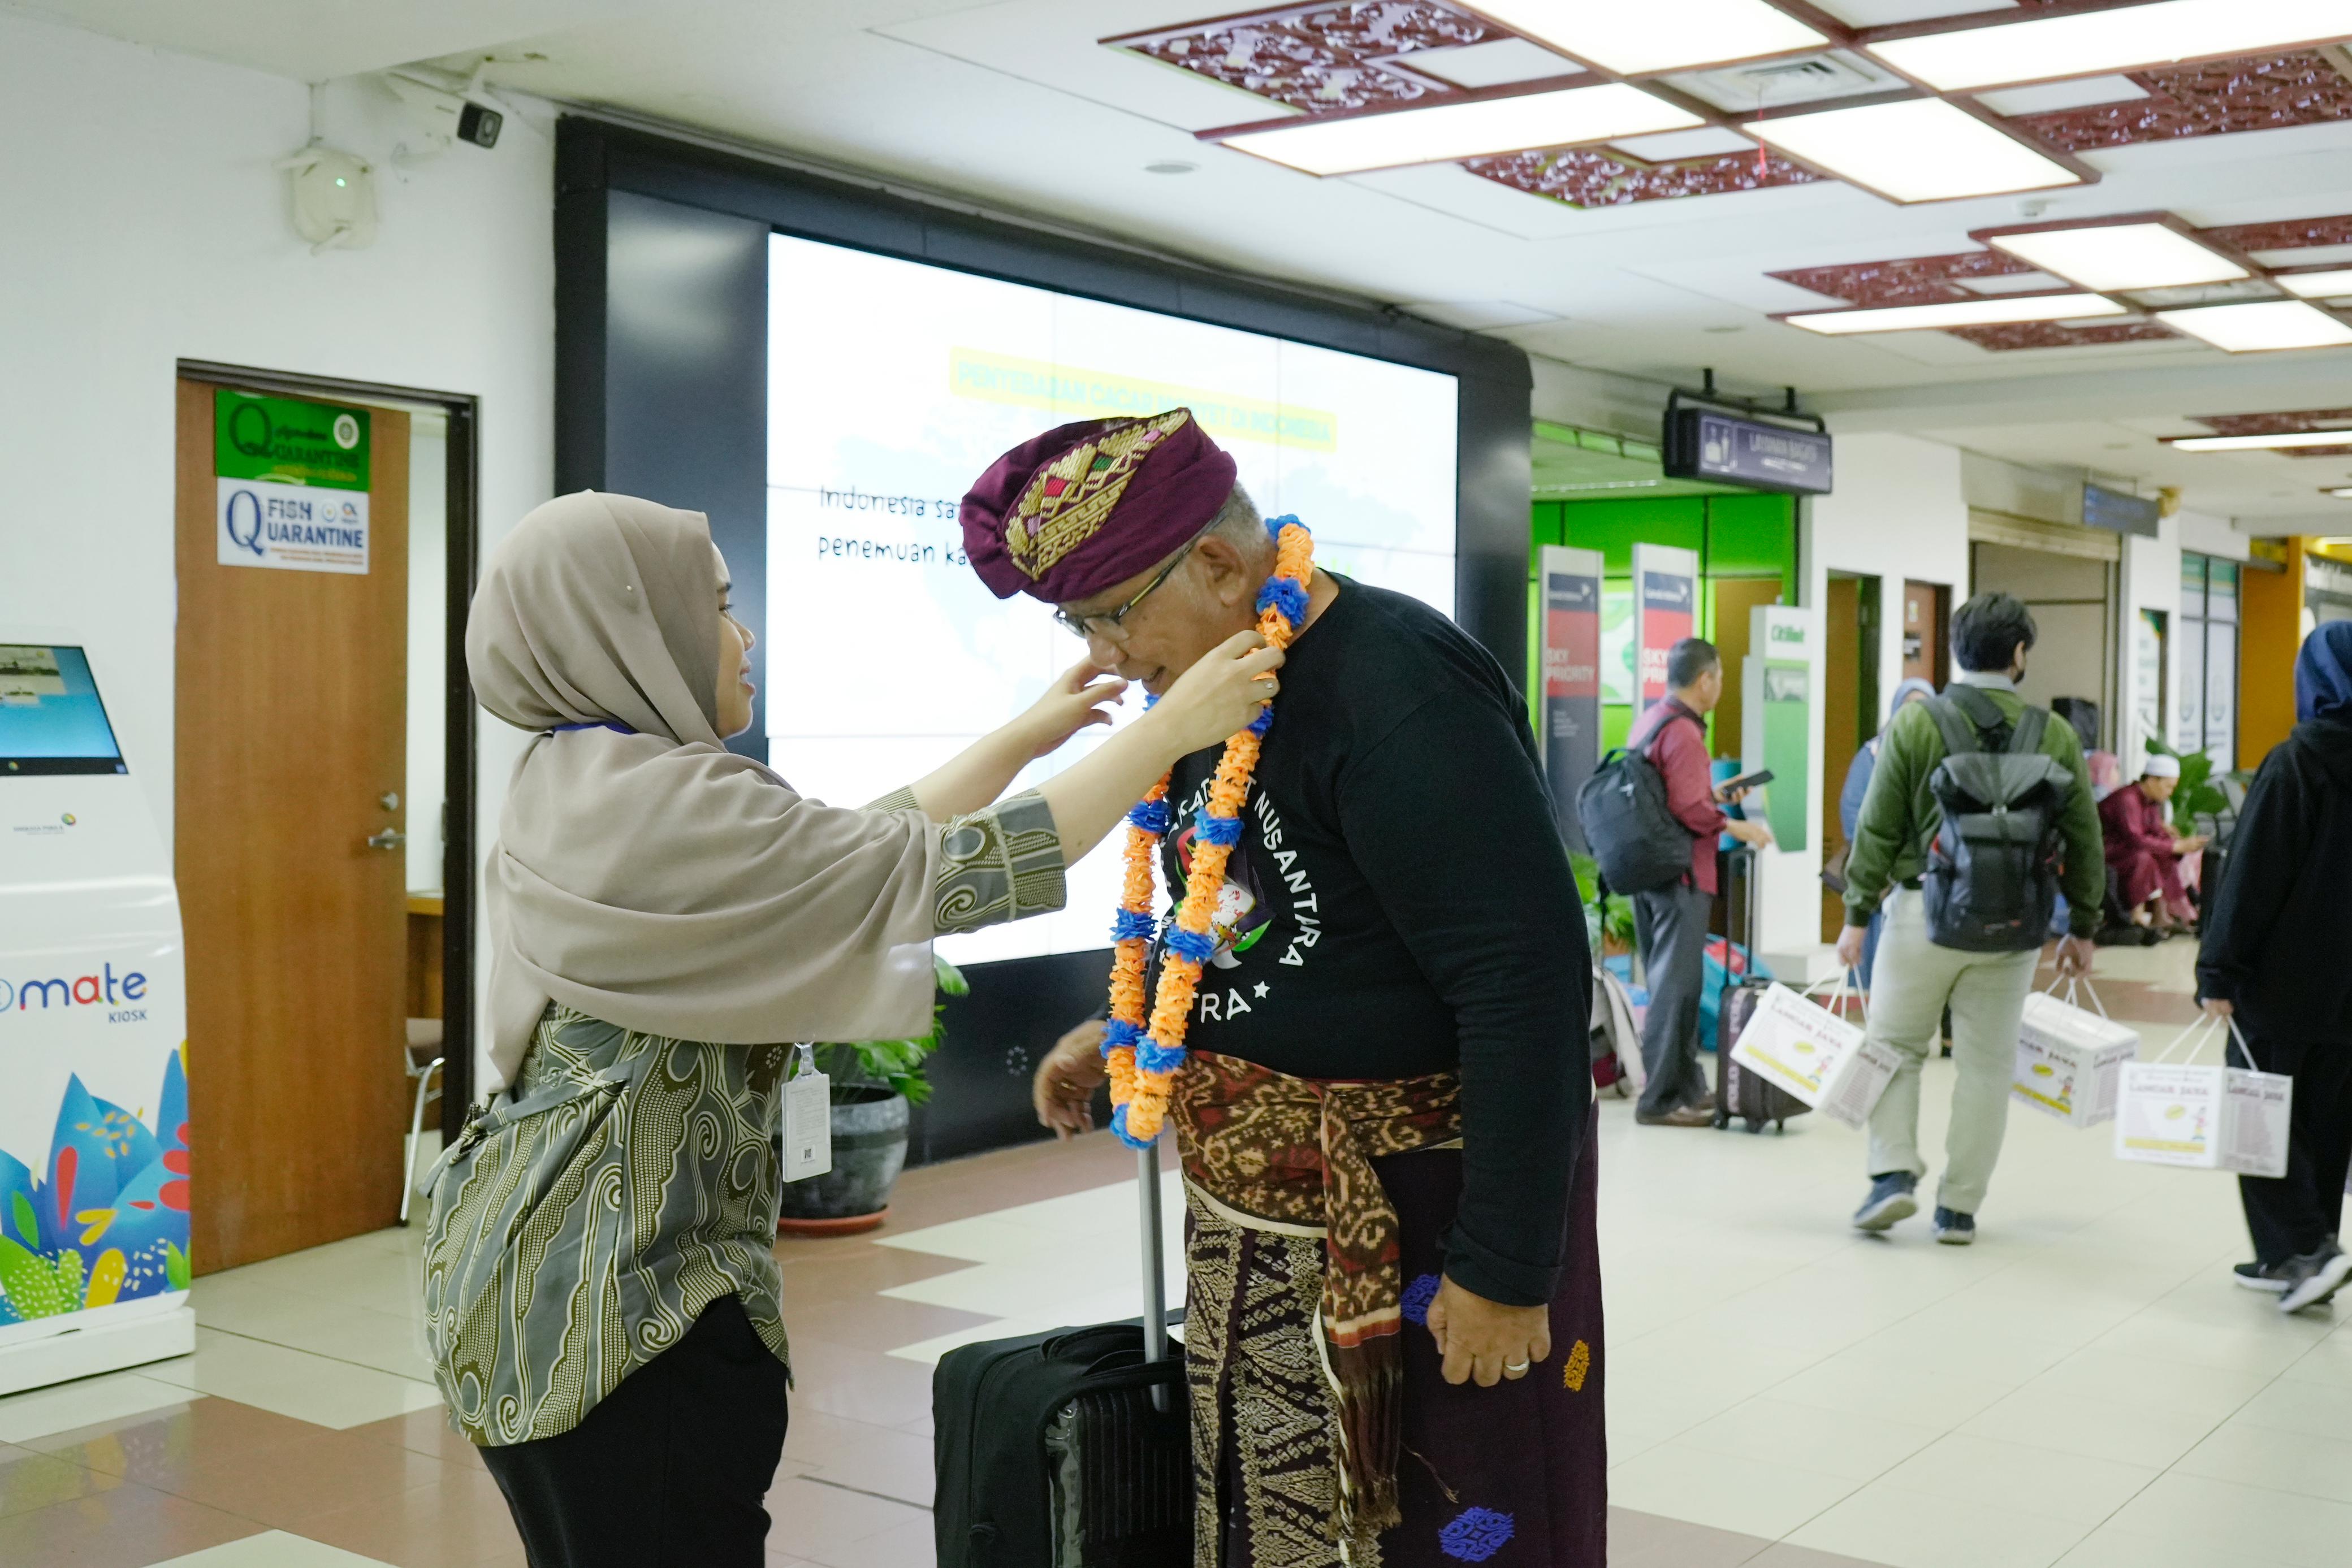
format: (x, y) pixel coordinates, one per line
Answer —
(808, 1118)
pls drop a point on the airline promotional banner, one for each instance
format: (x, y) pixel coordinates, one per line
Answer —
(1571, 708)
(1666, 590)
(1776, 717)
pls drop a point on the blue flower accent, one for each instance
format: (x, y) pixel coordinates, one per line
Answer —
(1131, 925)
(1290, 598)
(1119, 1127)
(1476, 1534)
(1152, 1057)
(1416, 1297)
(1274, 525)
(1263, 722)
(1151, 816)
(1118, 1033)
(1211, 830)
(1198, 946)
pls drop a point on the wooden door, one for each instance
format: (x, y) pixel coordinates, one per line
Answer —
(1926, 643)
(1841, 723)
(1736, 599)
(290, 737)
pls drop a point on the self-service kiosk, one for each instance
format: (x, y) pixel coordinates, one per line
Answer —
(94, 1179)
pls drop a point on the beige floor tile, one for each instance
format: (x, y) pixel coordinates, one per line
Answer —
(273, 1548)
(817, 1522)
(1836, 1442)
(1904, 1528)
(295, 1383)
(2255, 1348)
(853, 1454)
(2285, 1527)
(338, 1330)
(1924, 1399)
(2074, 1425)
(1727, 1492)
(2043, 1481)
(2108, 1547)
(2266, 1457)
(2146, 1382)
(909, 1545)
(2316, 1409)
(1959, 1349)
(87, 1401)
(1638, 1540)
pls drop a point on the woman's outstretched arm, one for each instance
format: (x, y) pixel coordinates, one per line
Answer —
(977, 776)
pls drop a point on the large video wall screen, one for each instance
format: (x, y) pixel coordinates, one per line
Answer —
(892, 383)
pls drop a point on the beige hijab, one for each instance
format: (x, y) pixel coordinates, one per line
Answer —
(654, 879)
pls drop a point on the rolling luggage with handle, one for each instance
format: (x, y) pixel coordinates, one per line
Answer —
(1070, 1449)
(1738, 1091)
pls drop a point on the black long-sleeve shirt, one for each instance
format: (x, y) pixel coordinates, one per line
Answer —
(2277, 929)
(1399, 904)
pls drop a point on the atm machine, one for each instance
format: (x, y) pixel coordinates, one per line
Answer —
(94, 1179)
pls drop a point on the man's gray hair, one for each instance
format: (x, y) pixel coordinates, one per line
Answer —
(1239, 522)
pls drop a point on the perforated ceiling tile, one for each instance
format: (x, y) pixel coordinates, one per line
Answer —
(2213, 99)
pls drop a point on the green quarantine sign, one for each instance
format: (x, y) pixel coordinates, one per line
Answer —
(286, 441)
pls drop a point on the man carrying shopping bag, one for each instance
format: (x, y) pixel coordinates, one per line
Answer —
(1978, 810)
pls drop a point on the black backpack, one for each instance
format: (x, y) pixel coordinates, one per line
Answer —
(1637, 841)
(1991, 882)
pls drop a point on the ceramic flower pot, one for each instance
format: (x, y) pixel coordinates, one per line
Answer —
(869, 1150)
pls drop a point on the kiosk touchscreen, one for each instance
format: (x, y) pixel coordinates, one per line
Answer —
(94, 1193)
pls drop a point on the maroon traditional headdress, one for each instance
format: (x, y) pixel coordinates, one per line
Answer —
(1068, 514)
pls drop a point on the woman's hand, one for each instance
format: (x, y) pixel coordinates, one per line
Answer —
(2219, 1008)
(1222, 693)
(1082, 697)
(1486, 1340)
(1064, 1089)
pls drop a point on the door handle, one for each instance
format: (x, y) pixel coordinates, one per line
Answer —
(390, 838)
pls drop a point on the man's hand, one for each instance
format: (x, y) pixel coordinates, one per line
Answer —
(1755, 836)
(2193, 844)
(1727, 793)
(1064, 1089)
(1849, 945)
(2220, 1007)
(2074, 958)
(1486, 1340)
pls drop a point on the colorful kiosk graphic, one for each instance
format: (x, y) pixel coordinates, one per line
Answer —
(94, 1193)
(1665, 609)
(1776, 717)
(1571, 710)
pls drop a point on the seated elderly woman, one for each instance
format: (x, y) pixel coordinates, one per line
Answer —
(601, 1295)
(2144, 851)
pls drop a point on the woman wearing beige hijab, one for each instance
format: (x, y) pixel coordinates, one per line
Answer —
(601, 1294)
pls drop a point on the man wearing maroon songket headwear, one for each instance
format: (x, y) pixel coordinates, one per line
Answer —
(1386, 1099)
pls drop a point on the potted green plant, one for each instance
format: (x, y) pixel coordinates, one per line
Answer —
(2197, 795)
(873, 1084)
(1608, 930)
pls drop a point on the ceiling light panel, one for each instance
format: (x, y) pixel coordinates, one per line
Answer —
(1920, 150)
(2265, 325)
(2341, 492)
(2273, 442)
(1657, 35)
(1562, 118)
(1497, 62)
(1944, 315)
(2327, 285)
(2121, 255)
(2094, 43)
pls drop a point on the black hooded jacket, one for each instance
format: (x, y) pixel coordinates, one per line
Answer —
(2278, 931)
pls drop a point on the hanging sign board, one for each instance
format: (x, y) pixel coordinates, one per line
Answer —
(1571, 699)
(1665, 607)
(1712, 445)
(2117, 512)
(290, 484)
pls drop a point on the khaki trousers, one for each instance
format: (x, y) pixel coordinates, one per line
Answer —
(1911, 983)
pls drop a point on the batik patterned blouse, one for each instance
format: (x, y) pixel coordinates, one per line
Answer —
(585, 1218)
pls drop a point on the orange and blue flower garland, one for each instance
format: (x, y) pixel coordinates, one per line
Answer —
(1145, 1056)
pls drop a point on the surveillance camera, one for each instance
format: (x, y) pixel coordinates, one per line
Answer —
(447, 116)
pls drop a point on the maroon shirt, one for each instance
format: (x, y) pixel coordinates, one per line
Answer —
(1680, 757)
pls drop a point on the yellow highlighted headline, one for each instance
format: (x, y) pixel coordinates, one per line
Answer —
(1102, 394)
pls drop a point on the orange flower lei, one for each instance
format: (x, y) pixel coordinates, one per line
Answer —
(1144, 1059)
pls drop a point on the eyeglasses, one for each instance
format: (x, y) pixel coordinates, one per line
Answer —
(1110, 625)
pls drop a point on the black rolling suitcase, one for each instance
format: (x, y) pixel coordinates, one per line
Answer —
(1070, 1449)
(1738, 1091)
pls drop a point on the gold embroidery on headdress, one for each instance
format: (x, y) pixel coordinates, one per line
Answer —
(1067, 502)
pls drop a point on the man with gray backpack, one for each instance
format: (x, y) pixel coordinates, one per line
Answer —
(1979, 812)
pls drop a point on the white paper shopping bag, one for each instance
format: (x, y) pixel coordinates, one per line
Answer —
(2200, 1116)
(1807, 1050)
(2070, 1060)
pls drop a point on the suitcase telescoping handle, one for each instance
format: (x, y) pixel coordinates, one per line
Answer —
(1155, 1290)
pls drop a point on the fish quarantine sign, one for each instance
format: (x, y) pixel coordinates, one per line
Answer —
(293, 527)
(291, 480)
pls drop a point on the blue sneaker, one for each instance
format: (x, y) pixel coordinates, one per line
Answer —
(1890, 1200)
(1954, 1229)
